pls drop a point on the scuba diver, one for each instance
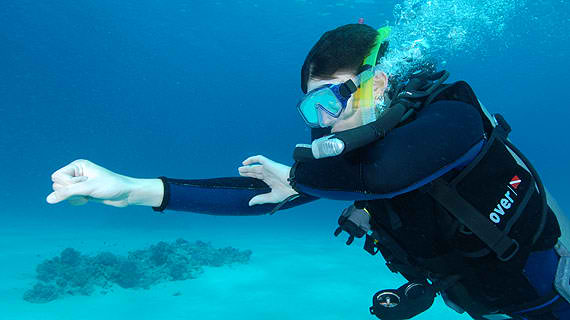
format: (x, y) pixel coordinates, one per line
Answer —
(437, 187)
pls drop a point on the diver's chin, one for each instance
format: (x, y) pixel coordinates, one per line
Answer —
(348, 122)
(338, 129)
(343, 127)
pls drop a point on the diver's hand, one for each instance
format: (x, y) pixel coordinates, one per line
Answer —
(82, 181)
(270, 172)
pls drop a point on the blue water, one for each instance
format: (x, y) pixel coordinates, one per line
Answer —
(189, 89)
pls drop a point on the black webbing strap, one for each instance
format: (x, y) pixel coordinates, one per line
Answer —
(498, 241)
(347, 89)
(284, 202)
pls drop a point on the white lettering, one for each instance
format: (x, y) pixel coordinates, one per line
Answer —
(500, 210)
(508, 196)
(505, 203)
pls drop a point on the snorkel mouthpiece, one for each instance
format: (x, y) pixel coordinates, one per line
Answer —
(327, 146)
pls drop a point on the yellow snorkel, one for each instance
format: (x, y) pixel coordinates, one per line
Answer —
(364, 96)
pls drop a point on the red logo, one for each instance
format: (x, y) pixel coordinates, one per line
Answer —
(515, 181)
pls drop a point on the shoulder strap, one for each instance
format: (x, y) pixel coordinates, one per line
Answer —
(462, 91)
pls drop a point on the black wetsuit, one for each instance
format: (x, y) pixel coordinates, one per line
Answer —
(443, 136)
(388, 177)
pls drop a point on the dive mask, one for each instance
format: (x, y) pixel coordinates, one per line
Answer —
(330, 99)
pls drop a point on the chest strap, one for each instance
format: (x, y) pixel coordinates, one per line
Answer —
(496, 239)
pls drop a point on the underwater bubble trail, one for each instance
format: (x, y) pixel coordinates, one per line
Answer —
(447, 28)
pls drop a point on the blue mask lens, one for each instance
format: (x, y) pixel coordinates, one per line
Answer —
(325, 99)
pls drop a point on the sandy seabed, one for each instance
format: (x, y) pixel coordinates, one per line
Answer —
(292, 274)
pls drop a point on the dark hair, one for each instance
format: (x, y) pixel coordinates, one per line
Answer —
(343, 48)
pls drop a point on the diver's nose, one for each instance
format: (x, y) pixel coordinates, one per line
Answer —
(325, 119)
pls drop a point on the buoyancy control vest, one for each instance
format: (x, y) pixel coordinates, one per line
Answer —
(497, 204)
(499, 211)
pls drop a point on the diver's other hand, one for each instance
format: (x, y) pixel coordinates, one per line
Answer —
(273, 173)
(82, 180)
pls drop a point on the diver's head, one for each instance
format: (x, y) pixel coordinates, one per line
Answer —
(337, 57)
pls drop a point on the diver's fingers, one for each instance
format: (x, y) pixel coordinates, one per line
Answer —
(253, 171)
(52, 198)
(255, 159)
(80, 189)
(256, 168)
(70, 170)
(115, 203)
(78, 179)
(57, 186)
(252, 175)
(261, 199)
(60, 183)
(64, 174)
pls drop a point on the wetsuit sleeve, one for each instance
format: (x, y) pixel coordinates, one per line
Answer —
(445, 135)
(221, 196)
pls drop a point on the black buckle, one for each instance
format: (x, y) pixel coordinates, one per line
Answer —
(370, 245)
(511, 251)
(502, 123)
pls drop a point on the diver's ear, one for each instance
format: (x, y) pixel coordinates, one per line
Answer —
(380, 83)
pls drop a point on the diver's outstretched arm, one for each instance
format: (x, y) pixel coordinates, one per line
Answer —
(225, 196)
(82, 181)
